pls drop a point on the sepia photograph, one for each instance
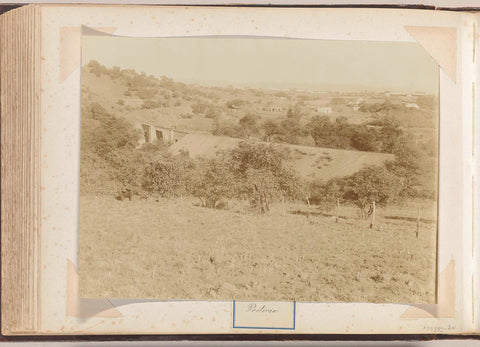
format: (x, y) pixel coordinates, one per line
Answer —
(257, 168)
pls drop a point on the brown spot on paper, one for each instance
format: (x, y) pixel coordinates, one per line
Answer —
(82, 308)
(445, 307)
(440, 43)
(70, 48)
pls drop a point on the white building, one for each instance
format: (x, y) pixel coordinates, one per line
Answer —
(412, 105)
(324, 109)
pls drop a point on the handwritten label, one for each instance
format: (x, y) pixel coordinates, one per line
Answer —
(264, 315)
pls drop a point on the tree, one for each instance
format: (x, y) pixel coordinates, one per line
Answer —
(110, 157)
(271, 128)
(229, 130)
(151, 103)
(426, 101)
(292, 130)
(169, 175)
(112, 134)
(96, 68)
(415, 168)
(107, 133)
(97, 112)
(319, 129)
(371, 184)
(263, 173)
(261, 188)
(365, 139)
(127, 166)
(376, 108)
(331, 135)
(212, 181)
(248, 125)
(390, 134)
(297, 111)
(211, 111)
(198, 107)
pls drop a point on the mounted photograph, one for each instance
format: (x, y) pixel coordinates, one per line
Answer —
(245, 168)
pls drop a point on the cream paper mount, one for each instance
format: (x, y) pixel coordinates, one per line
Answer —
(61, 74)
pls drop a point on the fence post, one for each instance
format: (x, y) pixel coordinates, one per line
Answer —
(338, 207)
(373, 216)
(418, 221)
(308, 209)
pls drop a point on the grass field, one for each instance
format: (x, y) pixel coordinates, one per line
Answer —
(172, 249)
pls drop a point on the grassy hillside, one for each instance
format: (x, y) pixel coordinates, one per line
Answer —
(205, 254)
(309, 162)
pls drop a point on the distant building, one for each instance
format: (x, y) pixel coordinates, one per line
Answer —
(167, 135)
(272, 108)
(412, 105)
(324, 110)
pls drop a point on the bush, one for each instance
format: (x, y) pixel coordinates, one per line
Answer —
(110, 159)
(146, 93)
(151, 104)
(228, 130)
(107, 133)
(96, 68)
(198, 107)
(248, 125)
(235, 104)
(324, 194)
(417, 170)
(168, 176)
(211, 112)
(297, 111)
(384, 107)
(330, 134)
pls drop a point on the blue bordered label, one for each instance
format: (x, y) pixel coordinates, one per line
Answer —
(264, 315)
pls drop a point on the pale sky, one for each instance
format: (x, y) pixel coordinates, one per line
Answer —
(272, 63)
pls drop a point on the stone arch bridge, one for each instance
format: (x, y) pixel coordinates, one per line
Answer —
(167, 135)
